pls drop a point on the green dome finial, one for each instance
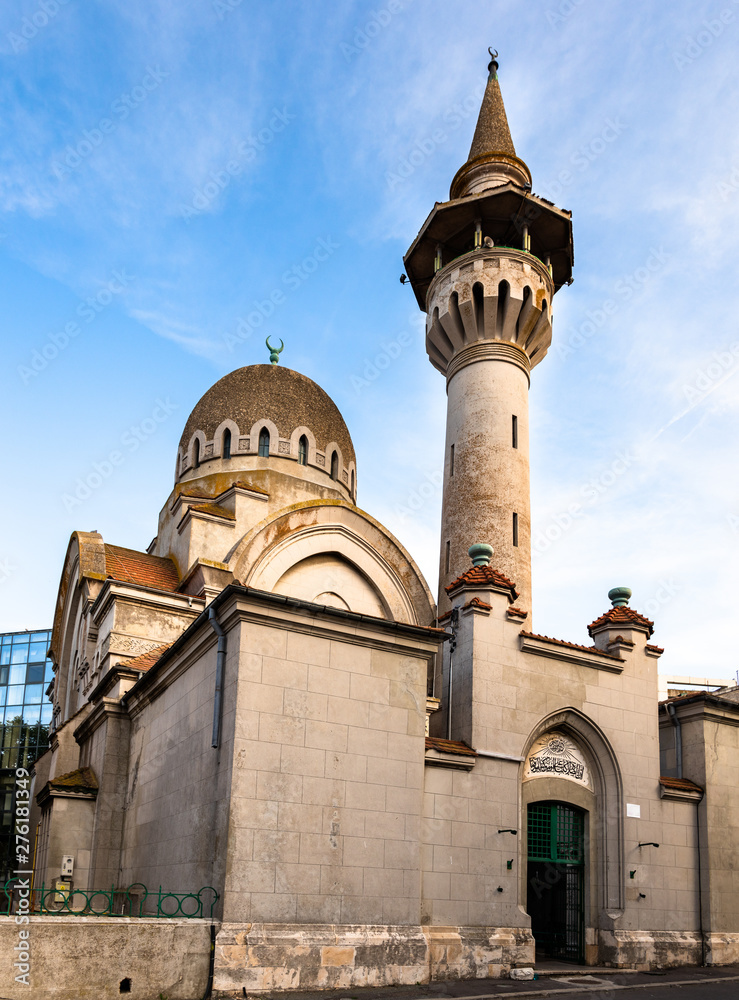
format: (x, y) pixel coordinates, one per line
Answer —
(274, 353)
(619, 596)
(480, 554)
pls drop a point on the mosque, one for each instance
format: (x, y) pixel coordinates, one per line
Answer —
(381, 785)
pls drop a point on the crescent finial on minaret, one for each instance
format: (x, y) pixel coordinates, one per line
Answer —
(493, 64)
(274, 352)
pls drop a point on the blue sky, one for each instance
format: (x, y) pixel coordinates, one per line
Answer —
(169, 169)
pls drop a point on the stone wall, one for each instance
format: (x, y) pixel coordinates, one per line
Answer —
(328, 772)
(177, 784)
(74, 958)
(264, 957)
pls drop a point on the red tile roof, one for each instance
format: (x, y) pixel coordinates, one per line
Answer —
(449, 746)
(571, 645)
(680, 784)
(623, 615)
(477, 603)
(147, 660)
(484, 576)
(654, 649)
(517, 613)
(130, 566)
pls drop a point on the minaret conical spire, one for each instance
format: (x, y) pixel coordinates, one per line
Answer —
(492, 160)
(492, 134)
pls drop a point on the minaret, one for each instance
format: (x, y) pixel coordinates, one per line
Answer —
(484, 268)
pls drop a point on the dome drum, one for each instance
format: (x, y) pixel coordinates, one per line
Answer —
(248, 446)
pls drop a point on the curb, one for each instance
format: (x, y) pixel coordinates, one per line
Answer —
(595, 989)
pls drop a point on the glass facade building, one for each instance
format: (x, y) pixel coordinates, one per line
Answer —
(25, 713)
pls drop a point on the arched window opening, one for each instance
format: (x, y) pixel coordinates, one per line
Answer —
(264, 443)
(196, 453)
(226, 447)
(504, 294)
(303, 450)
(352, 487)
(478, 303)
(335, 465)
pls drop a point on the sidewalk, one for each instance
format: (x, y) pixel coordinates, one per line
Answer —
(553, 978)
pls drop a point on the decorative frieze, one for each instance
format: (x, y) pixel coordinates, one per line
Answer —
(284, 448)
(127, 645)
(554, 755)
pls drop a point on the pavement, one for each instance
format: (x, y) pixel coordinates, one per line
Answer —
(555, 979)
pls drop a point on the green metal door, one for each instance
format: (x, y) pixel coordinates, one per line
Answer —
(555, 896)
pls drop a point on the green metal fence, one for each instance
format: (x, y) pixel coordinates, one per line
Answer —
(134, 901)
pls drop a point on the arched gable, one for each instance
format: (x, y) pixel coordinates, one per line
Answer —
(357, 544)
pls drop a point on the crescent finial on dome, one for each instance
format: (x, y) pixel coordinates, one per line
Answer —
(274, 353)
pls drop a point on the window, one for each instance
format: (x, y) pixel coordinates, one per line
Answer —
(448, 547)
(226, 447)
(335, 465)
(303, 450)
(352, 487)
(515, 529)
(264, 443)
(451, 461)
(196, 453)
(514, 431)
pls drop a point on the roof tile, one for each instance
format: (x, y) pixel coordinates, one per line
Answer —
(571, 645)
(130, 566)
(623, 615)
(681, 784)
(147, 660)
(449, 746)
(484, 576)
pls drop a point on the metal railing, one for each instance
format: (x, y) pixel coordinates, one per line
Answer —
(134, 901)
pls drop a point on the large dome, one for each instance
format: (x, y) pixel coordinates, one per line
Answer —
(266, 417)
(270, 392)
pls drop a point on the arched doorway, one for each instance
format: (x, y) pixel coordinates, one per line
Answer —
(556, 879)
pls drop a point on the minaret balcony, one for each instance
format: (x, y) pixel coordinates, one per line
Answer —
(494, 299)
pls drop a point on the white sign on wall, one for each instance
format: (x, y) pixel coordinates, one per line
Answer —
(557, 756)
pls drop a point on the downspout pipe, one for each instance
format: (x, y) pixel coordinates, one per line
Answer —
(678, 738)
(450, 692)
(220, 666)
(670, 707)
(700, 880)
